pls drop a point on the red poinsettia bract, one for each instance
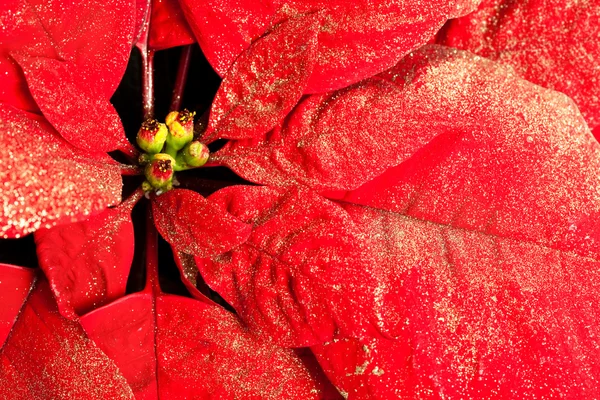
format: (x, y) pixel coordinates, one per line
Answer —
(551, 43)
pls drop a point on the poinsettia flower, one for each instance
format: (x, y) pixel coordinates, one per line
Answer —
(551, 43)
(88, 262)
(356, 39)
(418, 213)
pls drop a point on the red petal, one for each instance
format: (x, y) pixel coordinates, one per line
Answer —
(225, 29)
(95, 35)
(185, 348)
(168, 27)
(88, 262)
(266, 81)
(78, 110)
(337, 141)
(488, 241)
(362, 38)
(371, 369)
(49, 357)
(45, 181)
(15, 285)
(493, 165)
(479, 316)
(193, 225)
(357, 39)
(547, 42)
(301, 275)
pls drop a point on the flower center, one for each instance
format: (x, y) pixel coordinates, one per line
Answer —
(169, 147)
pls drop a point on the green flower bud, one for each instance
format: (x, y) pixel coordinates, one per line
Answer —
(181, 128)
(159, 172)
(195, 154)
(151, 136)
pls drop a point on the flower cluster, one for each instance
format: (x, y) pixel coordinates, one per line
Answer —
(414, 213)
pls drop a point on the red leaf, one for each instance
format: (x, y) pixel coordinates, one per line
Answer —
(46, 181)
(362, 38)
(95, 35)
(372, 369)
(302, 274)
(547, 42)
(15, 285)
(332, 141)
(75, 108)
(193, 225)
(88, 262)
(168, 27)
(495, 164)
(479, 316)
(357, 39)
(487, 242)
(265, 81)
(47, 356)
(225, 29)
(185, 348)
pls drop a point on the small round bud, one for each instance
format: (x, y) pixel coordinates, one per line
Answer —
(159, 171)
(151, 136)
(181, 128)
(195, 154)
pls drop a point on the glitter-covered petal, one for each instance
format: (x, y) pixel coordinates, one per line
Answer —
(49, 357)
(487, 243)
(478, 316)
(193, 225)
(185, 348)
(356, 40)
(523, 166)
(338, 140)
(361, 38)
(265, 81)
(44, 180)
(88, 262)
(224, 29)
(79, 111)
(302, 274)
(95, 35)
(371, 369)
(553, 43)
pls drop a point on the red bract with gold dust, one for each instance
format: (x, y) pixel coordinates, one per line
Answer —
(431, 231)
(551, 43)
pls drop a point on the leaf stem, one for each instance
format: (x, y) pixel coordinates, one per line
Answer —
(152, 283)
(147, 81)
(147, 67)
(182, 73)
